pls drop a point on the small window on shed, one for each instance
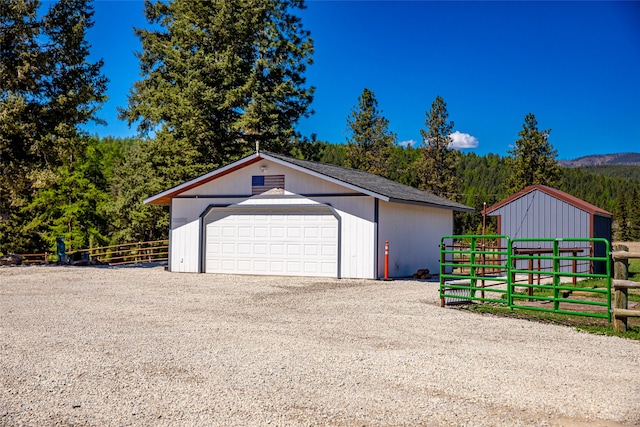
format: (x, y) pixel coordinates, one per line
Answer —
(262, 183)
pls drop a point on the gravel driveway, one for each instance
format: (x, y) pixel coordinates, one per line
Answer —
(141, 346)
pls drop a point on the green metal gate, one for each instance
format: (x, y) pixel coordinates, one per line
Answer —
(474, 268)
(530, 274)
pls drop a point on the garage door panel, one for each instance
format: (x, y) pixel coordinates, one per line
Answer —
(277, 267)
(328, 267)
(260, 266)
(213, 248)
(328, 251)
(228, 265)
(294, 249)
(294, 232)
(279, 244)
(244, 265)
(229, 248)
(294, 267)
(276, 249)
(311, 232)
(229, 231)
(311, 250)
(277, 232)
(329, 232)
(311, 268)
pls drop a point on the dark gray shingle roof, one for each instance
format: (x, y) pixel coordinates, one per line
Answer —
(376, 184)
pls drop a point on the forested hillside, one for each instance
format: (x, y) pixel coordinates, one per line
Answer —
(199, 106)
(116, 181)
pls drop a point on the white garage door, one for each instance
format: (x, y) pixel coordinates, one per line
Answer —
(278, 241)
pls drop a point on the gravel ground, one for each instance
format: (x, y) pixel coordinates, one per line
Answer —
(141, 346)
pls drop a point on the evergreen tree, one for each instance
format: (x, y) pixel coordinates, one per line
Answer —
(142, 174)
(48, 89)
(437, 165)
(622, 217)
(218, 77)
(633, 209)
(533, 158)
(371, 143)
(221, 76)
(20, 62)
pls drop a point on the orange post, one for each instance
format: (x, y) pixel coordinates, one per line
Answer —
(386, 259)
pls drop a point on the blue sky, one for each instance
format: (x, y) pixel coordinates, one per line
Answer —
(575, 65)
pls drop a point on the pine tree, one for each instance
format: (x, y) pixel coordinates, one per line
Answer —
(437, 165)
(220, 76)
(141, 175)
(622, 217)
(371, 143)
(533, 158)
(20, 62)
(48, 90)
(633, 213)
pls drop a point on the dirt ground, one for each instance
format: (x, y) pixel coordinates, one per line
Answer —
(141, 346)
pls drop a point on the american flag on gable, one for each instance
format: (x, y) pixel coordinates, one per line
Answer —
(262, 183)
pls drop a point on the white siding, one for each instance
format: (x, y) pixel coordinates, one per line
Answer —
(185, 232)
(413, 231)
(414, 234)
(239, 182)
(357, 235)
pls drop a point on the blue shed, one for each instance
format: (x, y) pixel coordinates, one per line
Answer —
(539, 211)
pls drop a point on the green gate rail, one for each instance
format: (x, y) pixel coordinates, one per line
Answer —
(471, 269)
(481, 260)
(560, 292)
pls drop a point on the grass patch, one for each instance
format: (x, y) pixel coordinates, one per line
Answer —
(634, 270)
(586, 324)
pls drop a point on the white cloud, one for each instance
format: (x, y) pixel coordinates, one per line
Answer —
(407, 143)
(463, 140)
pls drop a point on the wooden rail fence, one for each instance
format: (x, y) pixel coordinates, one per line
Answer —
(128, 253)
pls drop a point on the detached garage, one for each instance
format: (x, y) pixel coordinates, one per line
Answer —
(269, 214)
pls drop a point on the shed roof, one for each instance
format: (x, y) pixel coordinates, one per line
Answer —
(561, 195)
(364, 182)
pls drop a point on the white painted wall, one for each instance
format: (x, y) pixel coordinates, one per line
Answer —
(414, 234)
(413, 231)
(356, 216)
(239, 182)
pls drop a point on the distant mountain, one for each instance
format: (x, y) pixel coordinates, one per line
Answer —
(619, 159)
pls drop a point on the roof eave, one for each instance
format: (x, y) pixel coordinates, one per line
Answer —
(165, 197)
(326, 177)
(433, 205)
(553, 192)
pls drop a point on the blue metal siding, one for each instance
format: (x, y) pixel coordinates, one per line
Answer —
(539, 215)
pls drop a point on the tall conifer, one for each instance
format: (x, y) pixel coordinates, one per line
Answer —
(533, 158)
(371, 143)
(437, 165)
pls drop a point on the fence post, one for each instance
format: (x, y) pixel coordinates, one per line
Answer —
(620, 265)
(621, 300)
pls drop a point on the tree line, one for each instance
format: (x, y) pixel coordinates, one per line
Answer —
(215, 78)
